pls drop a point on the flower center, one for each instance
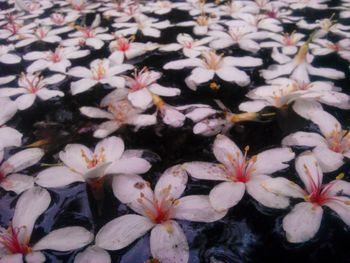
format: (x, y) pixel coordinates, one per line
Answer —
(12, 27)
(87, 32)
(120, 110)
(326, 24)
(236, 33)
(140, 79)
(159, 210)
(54, 56)
(58, 19)
(123, 44)
(273, 13)
(97, 158)
(32, 83)
(339, 140)
(288, 39)
(187, 44)
(9, 238)
(41, 32)
(335, 47)
(211, 60)
(203, 20)
(242, 167)
(34, 6)
(98, 71)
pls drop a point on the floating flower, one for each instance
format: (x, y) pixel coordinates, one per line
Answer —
(326, 26)
(31, 86)
(101, 71)
(324, 47)
(289, 43)
(304, 220)
(202, 24)
(240, 174)
(330, 148)
(15, 241)
(190, 47)
(10, 179)
(56, 61)
(157, 210)
(212, 64)
(6, 57)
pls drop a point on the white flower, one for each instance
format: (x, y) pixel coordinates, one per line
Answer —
(56, 61)
(31, 86)
(302, 4)
(190, 47)
(212, 64)
(146, 25)
(118, 113)
(101, 71)
(6, 57)
(244, 36)
(289, 43)
(15, 241)
(304, 220)
(202, 24)
(281, 92)
(235, 8)
(42, 34)
(240, 174)
(323, 47)
(122, 10)
(10, 179)
(59, 19)
(157, 210)
(80, 7)
(330, 147)
(83, 165)
(259, 22)
(299, 68)
(14, 31)
(325, 26)
(159, 7)
(125, 49)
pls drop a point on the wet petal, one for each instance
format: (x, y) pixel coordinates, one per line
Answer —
(122, 231)
(22, 160)
(17, 183)
(111, 147)
(303, 222)
(232, 74)
(141, 99)
(225, 150)
(93, 254)
(25, 101)
(57, 177)
(304, 139)
(226, 195)
(82, 85)
(176, 178)
(72, 156)
(10, 137)
(9, 109)
(284, 187)
(328, 159)
(273, 160)
(342, 207)
(169, 243)
(133, 165)
(65, 239)
(206, 171)
(326, 122)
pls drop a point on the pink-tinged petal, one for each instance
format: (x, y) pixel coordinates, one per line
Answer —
(325, 72)
(65, 239)
(339, 187)
(242, 61)
(15, 258)
(279, 57)
(22, 160)
(206, 171)
(253, 106)
(46, 94)
(52, 39)
(141, 99)
(94, 43)
(191, 53)
(29, 207)
(199, 114)
(117, 57)
(303, 222)
(97, 172)
(7, 79)
(78, 54)
(9, 109)
(118, 69)
(106, 129)
(82, 85)
(256, 190)
(93, 254)
(127, 188)
(232, 74)
(197, 208)
(171, 47)
(122, 231)
(173, 117)
(341, 207)
(164, 91)
(169, 243)
(326, 122)
(10, 59)
(38, 65)
(10, 137)
(54, 79)
(336, 99)
(225, 150)
(200, 30)
(275, 71)
(35, 257)
(25, 42)
(306, 108)
(57, 177)
(183, 63)
(80, 72)
(309, 170)
(328, 159)
(221, 43)
(25, 101)
(309, 139)
(93, 112)
(301, 74)
(151, 32)
(8, 92)
(111, 147)
(133, 165)
(284, 187)
(273, 160)
(35, 55)
(142, 120)
(114, 96)
(17, 183)
(249, 45)
(201, 75)
(114, 81)
(226, 195)
(72, 156)
(174, 180)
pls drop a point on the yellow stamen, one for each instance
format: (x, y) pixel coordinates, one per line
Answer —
(340, 176)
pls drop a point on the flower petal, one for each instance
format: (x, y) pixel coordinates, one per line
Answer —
(206, 171)
(72, 157)
(273, 160)
(111, 147)
(93, 254)
(9, 109)
(341, 207)
(57, 177)
(304, 139)
(282, 186)
(174, 177)
(82, 85)
(303, 222)
(17, 183)
(122, 231)
(133, 165)
(225, 150)
(226, 195)
(22, 160)
(141, 99)
(328, 159)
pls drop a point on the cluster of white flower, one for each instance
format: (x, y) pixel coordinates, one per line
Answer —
(232, 43)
